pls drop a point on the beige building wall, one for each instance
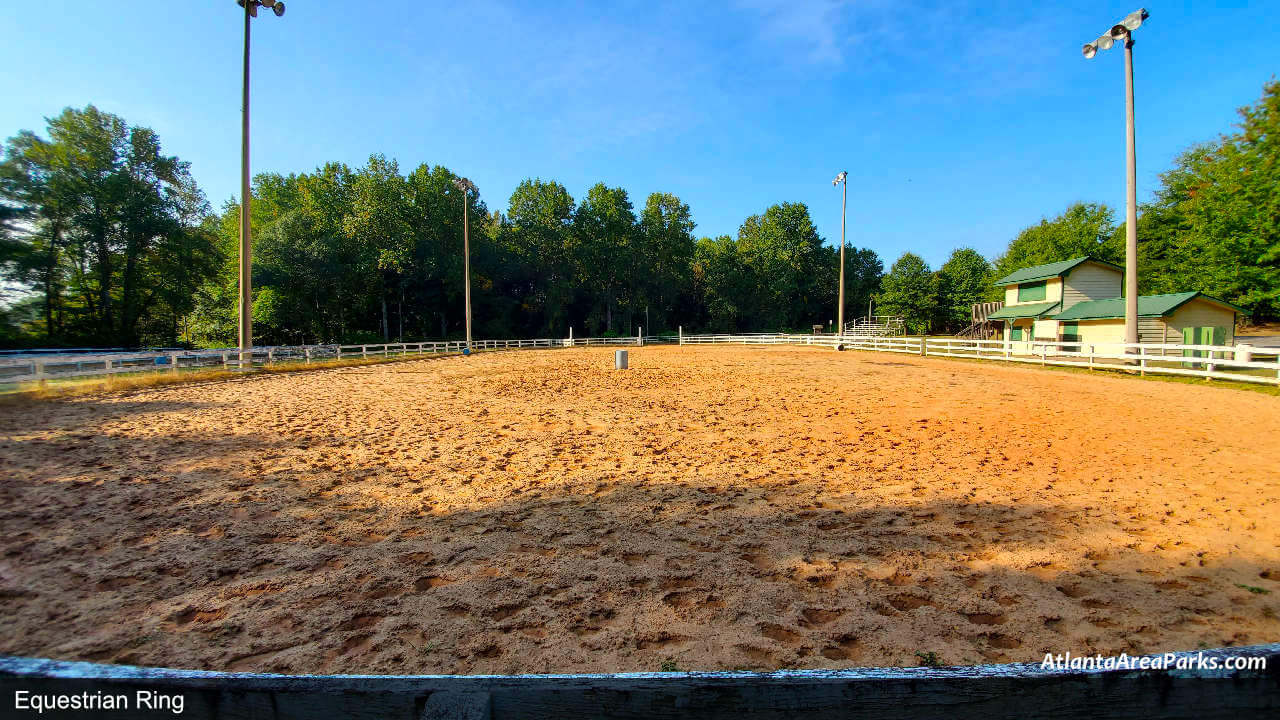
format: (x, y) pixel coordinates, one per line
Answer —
(1201, 313)
(1091, 281)
(1046, 330)
(1153, 330)
(1052, 292)
(1102, 332)
(1197, 313)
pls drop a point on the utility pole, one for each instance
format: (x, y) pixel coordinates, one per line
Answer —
(843, 180)
(246, 199)
(1131, 203)
(466, 186)
(1123, 32)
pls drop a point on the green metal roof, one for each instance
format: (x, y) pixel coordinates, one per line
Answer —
(1026, 310)
(1048, 270)
(1148, 306)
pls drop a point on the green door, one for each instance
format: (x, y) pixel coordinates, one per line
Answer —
(1189, 337)
(1070, 332)
(1212, 336)
(1016, 333)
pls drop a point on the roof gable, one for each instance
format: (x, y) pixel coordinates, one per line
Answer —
(1050, 270)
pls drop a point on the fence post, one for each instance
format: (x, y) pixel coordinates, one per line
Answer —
(680, 332)
(307, 352)
(38, 370)
(1142, 361)
(173, 358)
(639, 335)
(1091, 351)
(338, 353)
(922, 344)
(106, 365)
(271, 356)
(364, 351)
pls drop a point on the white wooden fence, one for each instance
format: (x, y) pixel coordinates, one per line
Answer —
(41, 368)
(1239, 363)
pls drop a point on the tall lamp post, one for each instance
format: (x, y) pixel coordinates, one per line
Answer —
(1123, 32)
(466, 186)
(843, 180)
(246, 247)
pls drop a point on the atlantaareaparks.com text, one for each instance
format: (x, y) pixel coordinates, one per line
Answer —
(1167, 661)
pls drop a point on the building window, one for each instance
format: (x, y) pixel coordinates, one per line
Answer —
(1070, 332)
(1031, 292)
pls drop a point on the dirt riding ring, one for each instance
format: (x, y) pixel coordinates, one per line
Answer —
(785, 510)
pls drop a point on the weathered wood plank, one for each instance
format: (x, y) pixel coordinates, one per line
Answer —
(987, 692)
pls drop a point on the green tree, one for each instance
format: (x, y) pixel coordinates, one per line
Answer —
(605, 251)
(964, 279)
(378, 221)
(1082, 229)
(665, 251)
(113, 236)
(540, 216)
(863, 270)
(1215, 222)
(910, 289)
(785, 259)
(721, 283)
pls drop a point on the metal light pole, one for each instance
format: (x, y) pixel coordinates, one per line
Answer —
(1123, 32)
(466, 186)
(843, 180)
(246, 246)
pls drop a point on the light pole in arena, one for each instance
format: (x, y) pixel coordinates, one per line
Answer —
(246, 247)
(466, 186)
(843, 180)
(1123, 32)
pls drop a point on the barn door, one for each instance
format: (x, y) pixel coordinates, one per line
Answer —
(1189, 336)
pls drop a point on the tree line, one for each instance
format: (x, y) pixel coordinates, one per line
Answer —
(106, 241)
(1213, 225)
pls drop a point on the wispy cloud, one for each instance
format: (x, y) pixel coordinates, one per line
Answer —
(815, 28)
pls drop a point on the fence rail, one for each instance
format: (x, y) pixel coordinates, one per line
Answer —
(1240, 363)
(44, 367)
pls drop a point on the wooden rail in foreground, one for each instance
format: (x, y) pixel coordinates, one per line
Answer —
(983, 692)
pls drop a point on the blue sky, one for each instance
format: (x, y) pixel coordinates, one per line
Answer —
(959, 122)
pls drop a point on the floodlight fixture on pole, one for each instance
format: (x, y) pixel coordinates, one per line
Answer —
(466, 186)
(842, 179)
(246, 244)
(1123, 32)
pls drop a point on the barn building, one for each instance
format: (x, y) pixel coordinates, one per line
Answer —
(1080, 300)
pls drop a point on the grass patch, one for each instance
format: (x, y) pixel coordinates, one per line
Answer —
(55, 389)
(1118, 371)
(1254, 590)
(929, 659)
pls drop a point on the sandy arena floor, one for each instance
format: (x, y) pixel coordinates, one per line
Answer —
(713, 507)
